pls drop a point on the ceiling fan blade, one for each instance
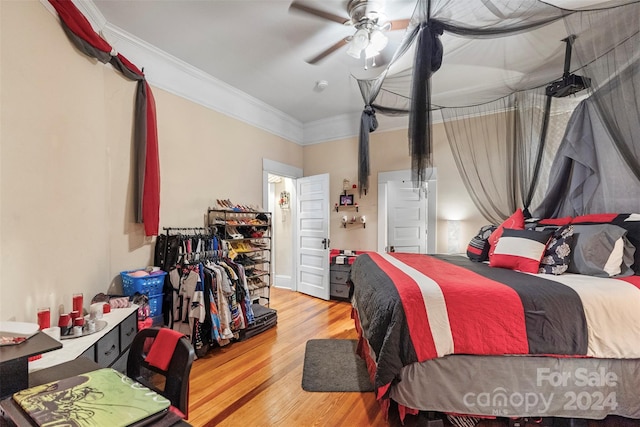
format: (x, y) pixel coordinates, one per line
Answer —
(399, 24)
(328, 51)
(320, 13)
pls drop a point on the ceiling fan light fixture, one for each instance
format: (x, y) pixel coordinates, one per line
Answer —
(353, 51)
(378, 40)
(360, 39)
(370, 52)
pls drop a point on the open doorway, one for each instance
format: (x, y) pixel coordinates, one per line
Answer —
(279, 177)
(281, 194)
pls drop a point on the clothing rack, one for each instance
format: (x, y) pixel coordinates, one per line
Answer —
(200, 275)
(186, 247)
(169, 249)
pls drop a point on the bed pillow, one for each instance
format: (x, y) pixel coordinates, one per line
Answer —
(478, 248)
(599, 218)
(630, 222)
(515, 221)
(601, 250)
(556, 221)
(556, 256)
(520, 250)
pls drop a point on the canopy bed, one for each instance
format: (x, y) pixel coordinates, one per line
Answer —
(444, 333)
(514, 337)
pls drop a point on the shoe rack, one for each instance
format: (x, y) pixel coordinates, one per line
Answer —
(246, 235)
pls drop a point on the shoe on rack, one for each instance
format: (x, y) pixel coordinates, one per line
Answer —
(222, 205)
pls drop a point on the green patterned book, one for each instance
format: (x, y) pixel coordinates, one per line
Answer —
(100, 398)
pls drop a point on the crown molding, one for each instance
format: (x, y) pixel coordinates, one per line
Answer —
(347, 126)
(175, 76)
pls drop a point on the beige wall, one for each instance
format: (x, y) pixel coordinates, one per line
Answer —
(66, 215)
(66, 222)
(389, 151)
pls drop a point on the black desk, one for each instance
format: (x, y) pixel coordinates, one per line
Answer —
(14, 361)
(57, 372)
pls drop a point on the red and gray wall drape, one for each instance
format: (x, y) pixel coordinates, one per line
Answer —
(147, 164)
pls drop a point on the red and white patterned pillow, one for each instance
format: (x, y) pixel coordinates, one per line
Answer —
(520, 250)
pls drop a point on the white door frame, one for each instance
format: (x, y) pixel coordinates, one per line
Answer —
(405, 175)
(289, 171)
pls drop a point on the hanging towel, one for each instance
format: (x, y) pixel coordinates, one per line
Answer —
(162, 348)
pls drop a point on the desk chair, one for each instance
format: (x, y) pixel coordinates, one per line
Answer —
(175, 378)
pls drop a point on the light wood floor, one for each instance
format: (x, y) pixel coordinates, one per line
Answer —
(257, 382)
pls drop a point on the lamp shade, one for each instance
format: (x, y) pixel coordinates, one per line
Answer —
(353, 50)
(370, 52)
(378, 40)
(360, 39)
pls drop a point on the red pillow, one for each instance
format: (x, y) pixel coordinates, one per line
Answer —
(556, 221)
(597, 218)
(515, 222)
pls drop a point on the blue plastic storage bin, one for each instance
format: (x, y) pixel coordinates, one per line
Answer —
(150, 285)
(155, 305)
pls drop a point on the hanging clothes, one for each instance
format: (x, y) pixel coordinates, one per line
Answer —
(184, 281)
(207, 296)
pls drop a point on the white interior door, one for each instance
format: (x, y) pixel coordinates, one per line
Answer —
(312, 262)
(406, 218)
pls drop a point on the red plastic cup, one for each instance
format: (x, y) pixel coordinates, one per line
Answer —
(44, 318)
(77, 303)
(64, 322)
(106, 308)
(73, 315)
(78, 321)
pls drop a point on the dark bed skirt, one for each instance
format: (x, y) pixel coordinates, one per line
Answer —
(519, 386)
(513, 386)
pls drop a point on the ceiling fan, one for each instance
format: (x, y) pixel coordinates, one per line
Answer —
(370, 23)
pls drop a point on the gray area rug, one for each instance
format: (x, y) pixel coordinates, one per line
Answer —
(333, 365)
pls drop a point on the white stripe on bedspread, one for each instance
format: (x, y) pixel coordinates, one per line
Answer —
(612, 310)
(434, 303)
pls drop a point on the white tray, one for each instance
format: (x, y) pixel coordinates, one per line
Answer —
(100, 325)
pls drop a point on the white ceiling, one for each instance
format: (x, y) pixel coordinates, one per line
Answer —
(256, 50)
(258, 47)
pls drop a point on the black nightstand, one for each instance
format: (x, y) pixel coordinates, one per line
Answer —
(339, 274)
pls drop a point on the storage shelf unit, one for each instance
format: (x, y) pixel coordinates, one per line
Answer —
(247, 236)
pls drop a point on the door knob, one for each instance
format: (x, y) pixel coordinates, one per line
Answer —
(325, 243)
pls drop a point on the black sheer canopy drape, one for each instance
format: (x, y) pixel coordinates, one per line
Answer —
(616, 74)
(598, 164)
(432, 19)
(510, 51)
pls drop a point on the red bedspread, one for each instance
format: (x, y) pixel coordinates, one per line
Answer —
(417, 307)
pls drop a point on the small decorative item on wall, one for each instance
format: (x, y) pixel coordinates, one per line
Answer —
(354, 221)
(284, 200)
(346, 199)
(346, 186)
